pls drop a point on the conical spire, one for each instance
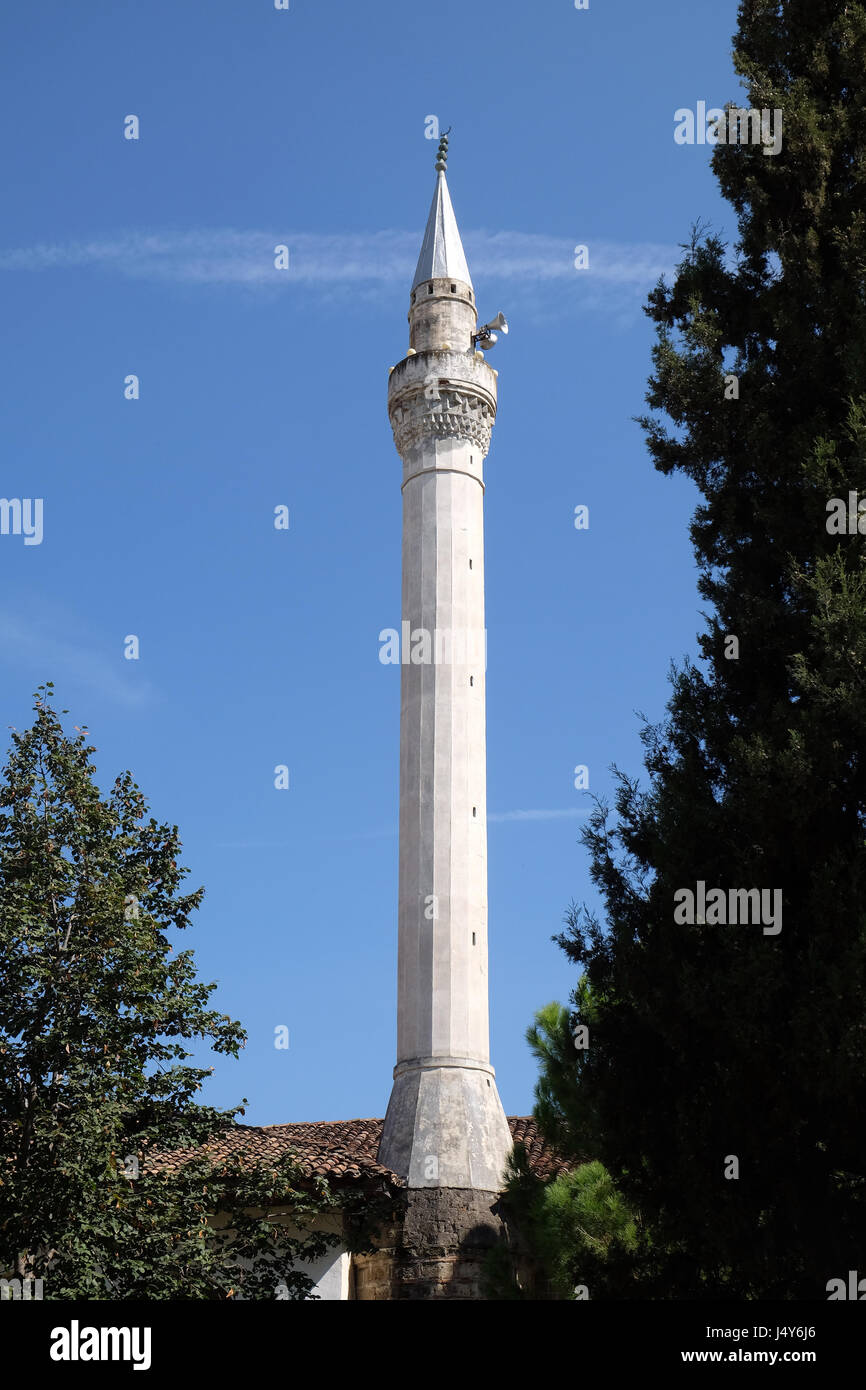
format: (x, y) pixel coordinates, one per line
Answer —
(442, 255)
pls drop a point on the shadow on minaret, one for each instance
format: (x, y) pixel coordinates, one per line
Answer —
(447, 1240)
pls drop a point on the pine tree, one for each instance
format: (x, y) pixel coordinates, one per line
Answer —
(716, 1048)
(106, 1190)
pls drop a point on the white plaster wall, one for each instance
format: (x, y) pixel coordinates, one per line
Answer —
(331, 1275)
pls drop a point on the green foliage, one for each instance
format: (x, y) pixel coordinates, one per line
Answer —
(711, 1041)
(588, 1235)
(582, 1231)
(96, 1008)
(574, 1230)
(558, 1098)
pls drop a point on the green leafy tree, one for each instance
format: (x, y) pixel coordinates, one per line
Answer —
(559, 1112)
(709, 1042)
(106, 1189)
(588, 1234)
(578, 1226)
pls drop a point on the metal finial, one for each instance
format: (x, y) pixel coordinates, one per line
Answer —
(442, 152)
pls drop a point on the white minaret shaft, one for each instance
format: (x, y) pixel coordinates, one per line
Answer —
(445, 1125)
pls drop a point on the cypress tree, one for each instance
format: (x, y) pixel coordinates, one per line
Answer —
(725, 1082)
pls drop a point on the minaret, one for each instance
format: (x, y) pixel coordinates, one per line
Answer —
(445, 1128)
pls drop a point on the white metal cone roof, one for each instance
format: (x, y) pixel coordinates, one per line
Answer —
(442, 254)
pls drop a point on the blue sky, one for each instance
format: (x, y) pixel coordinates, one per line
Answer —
(258, 388)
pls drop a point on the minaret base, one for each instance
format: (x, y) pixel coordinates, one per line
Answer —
(445, 1126)
(440, 1249)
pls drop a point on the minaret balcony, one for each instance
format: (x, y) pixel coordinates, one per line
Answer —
(441, 394)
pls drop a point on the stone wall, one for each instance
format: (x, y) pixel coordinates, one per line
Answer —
(437, 1251)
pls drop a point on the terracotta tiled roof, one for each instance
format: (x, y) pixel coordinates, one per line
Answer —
(544, 1161)
(345, 1148)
